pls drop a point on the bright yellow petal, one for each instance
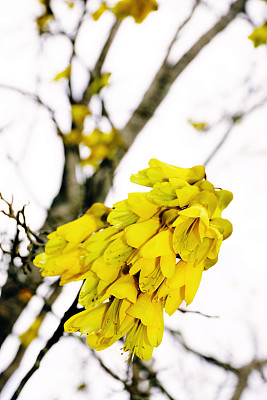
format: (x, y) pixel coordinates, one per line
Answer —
(196, 212)
(186, 194)
(178, 278)
(141, 206)
(118, 251)
(192, 281)
(139, 233)
(191, 175)
(122, 215)
(148, 311)
(98, 342)
(174, 300)
(87, 321)
(155, 333)
(105, 270)
(206, 199)
(167, 264)
(223, 225)
(224, 198)
(124, 288)
(159, 245)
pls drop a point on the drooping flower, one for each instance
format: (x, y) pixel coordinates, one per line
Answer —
(145, 255)
(62, 251)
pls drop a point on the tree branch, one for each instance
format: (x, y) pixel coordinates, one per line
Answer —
(13, 366)
(167, 74)
(53, 340)
(36, 99)
(232, 122)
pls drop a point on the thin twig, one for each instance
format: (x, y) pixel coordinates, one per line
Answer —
(35, 98)
(15, 363)
(211, 360)
(232, 122)
(73, 41)
(197, 312)
(174, 40)
(167, 74)
(102, 57)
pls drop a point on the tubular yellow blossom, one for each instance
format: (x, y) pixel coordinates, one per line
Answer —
(162, 172)
(62, 251)
(145, 255)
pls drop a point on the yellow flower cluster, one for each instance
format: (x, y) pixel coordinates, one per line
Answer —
(102, 145)
(138, 9)
(146, 254)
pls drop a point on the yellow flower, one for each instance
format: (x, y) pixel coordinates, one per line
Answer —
(102, 145)
(122, 215)
(175, 193)
(146, 254)
(183, 285)
(79, 112)
(103, 324)
(147, 331)
(259, 35)
(138, 234)
(161, 172)
(138, 9)
(62, 251)
(93, 291)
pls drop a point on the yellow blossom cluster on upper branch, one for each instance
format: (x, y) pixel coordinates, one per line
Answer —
(102, 145)
(144, 255)
(138, 9)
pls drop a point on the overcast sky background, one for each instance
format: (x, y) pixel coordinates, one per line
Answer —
(31, 162)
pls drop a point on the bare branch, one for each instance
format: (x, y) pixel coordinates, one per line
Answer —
(102, 57)
(244, 374)
(53, 340)
(179, 29)
(211, 360)
(13, 366)
(167, 74)
(197, 312)
(232, 122)
(35, 98)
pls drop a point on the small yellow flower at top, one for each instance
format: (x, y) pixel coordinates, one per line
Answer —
(138, 9)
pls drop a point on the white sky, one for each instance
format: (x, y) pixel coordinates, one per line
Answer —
(213, 85)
